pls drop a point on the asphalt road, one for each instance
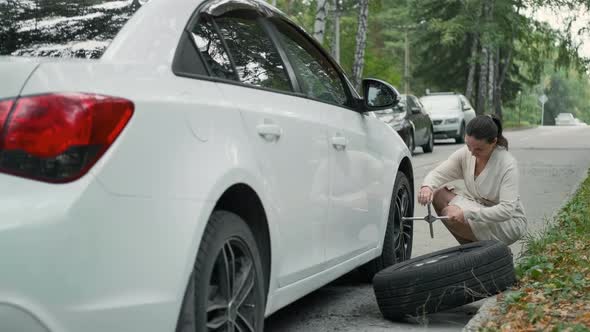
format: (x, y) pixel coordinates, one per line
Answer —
(552, 163)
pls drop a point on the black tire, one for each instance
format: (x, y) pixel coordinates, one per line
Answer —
(429, 147)
(461, 138)
(411, 142)
(397, 243)
(227, 270)
(444, 279)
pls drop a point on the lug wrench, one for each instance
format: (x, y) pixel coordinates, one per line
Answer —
(429, 219)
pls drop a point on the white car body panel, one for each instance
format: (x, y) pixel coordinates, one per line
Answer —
(116, 247)
(298, 195)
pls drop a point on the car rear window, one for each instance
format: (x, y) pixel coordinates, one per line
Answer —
(440, 102)
(61, 28)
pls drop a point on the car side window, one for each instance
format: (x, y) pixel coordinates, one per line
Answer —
(255, 57)
(211, 49)
(316, 75)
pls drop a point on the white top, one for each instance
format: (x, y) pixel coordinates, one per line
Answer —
(495, 188)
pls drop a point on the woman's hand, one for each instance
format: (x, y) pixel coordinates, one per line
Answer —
(425, 195)
(455, 214)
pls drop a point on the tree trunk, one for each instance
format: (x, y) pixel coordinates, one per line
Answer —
(336, 41)
(319, 27)
(492, 61)
(491, 80)
(361, 42)
(472, 67)
(288, 11)
(506, 63)
(482, 85)
(274, 3)
(497, 105)
(469, 90)
(484, 60)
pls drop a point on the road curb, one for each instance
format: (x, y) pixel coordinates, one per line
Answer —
(484, 314)
(487, 309)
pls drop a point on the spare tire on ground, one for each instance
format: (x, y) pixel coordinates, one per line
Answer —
(444, 279)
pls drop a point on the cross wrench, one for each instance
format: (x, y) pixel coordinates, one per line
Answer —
(429, 219)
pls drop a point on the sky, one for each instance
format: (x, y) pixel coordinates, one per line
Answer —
(557, 19)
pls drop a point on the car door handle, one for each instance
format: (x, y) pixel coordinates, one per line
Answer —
(339, 142)
(269, 131)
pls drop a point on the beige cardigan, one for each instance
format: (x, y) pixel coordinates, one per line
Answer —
(496, 187)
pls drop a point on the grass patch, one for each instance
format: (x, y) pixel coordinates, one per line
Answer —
(553, 292)
(515, 124)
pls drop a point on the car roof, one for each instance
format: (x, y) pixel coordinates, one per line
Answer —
(152, 34)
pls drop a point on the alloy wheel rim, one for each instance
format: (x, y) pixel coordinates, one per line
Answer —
(231, 300)
(402, 230)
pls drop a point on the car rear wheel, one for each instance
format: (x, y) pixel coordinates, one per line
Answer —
(397, 244)
(226, 287)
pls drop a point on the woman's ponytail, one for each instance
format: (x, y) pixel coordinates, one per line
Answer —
(502, 141)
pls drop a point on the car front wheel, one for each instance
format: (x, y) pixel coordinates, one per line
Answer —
(428, 147)
(397, 244)
(461, 138)
(226, 287)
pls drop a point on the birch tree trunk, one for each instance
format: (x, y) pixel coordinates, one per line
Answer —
(491, 81)
(497, 105)
(319, 26)
(506, 63)
(472, 67)
(473, 57)
(274, 3)
(361, 42)
(288, 11)
(492, 61)
(336, 41)
(482, 85)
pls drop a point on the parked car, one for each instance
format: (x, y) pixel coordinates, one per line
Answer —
(213, 166)
(565, 119)
(411, 122)
(450, 113)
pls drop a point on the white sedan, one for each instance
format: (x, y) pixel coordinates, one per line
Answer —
(212, 167)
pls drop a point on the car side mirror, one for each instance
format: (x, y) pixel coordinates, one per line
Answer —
(416, 110)
(379, 95)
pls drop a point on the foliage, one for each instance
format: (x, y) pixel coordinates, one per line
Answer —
(554, 276)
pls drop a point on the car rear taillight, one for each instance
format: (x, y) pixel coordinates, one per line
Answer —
(58, 137)
(5, 106)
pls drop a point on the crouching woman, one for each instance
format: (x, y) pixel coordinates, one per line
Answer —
(490, 209)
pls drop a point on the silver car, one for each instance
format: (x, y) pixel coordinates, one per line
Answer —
(450, 113)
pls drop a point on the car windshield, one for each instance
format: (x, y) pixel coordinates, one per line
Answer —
(61, 28)
(440, 103)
